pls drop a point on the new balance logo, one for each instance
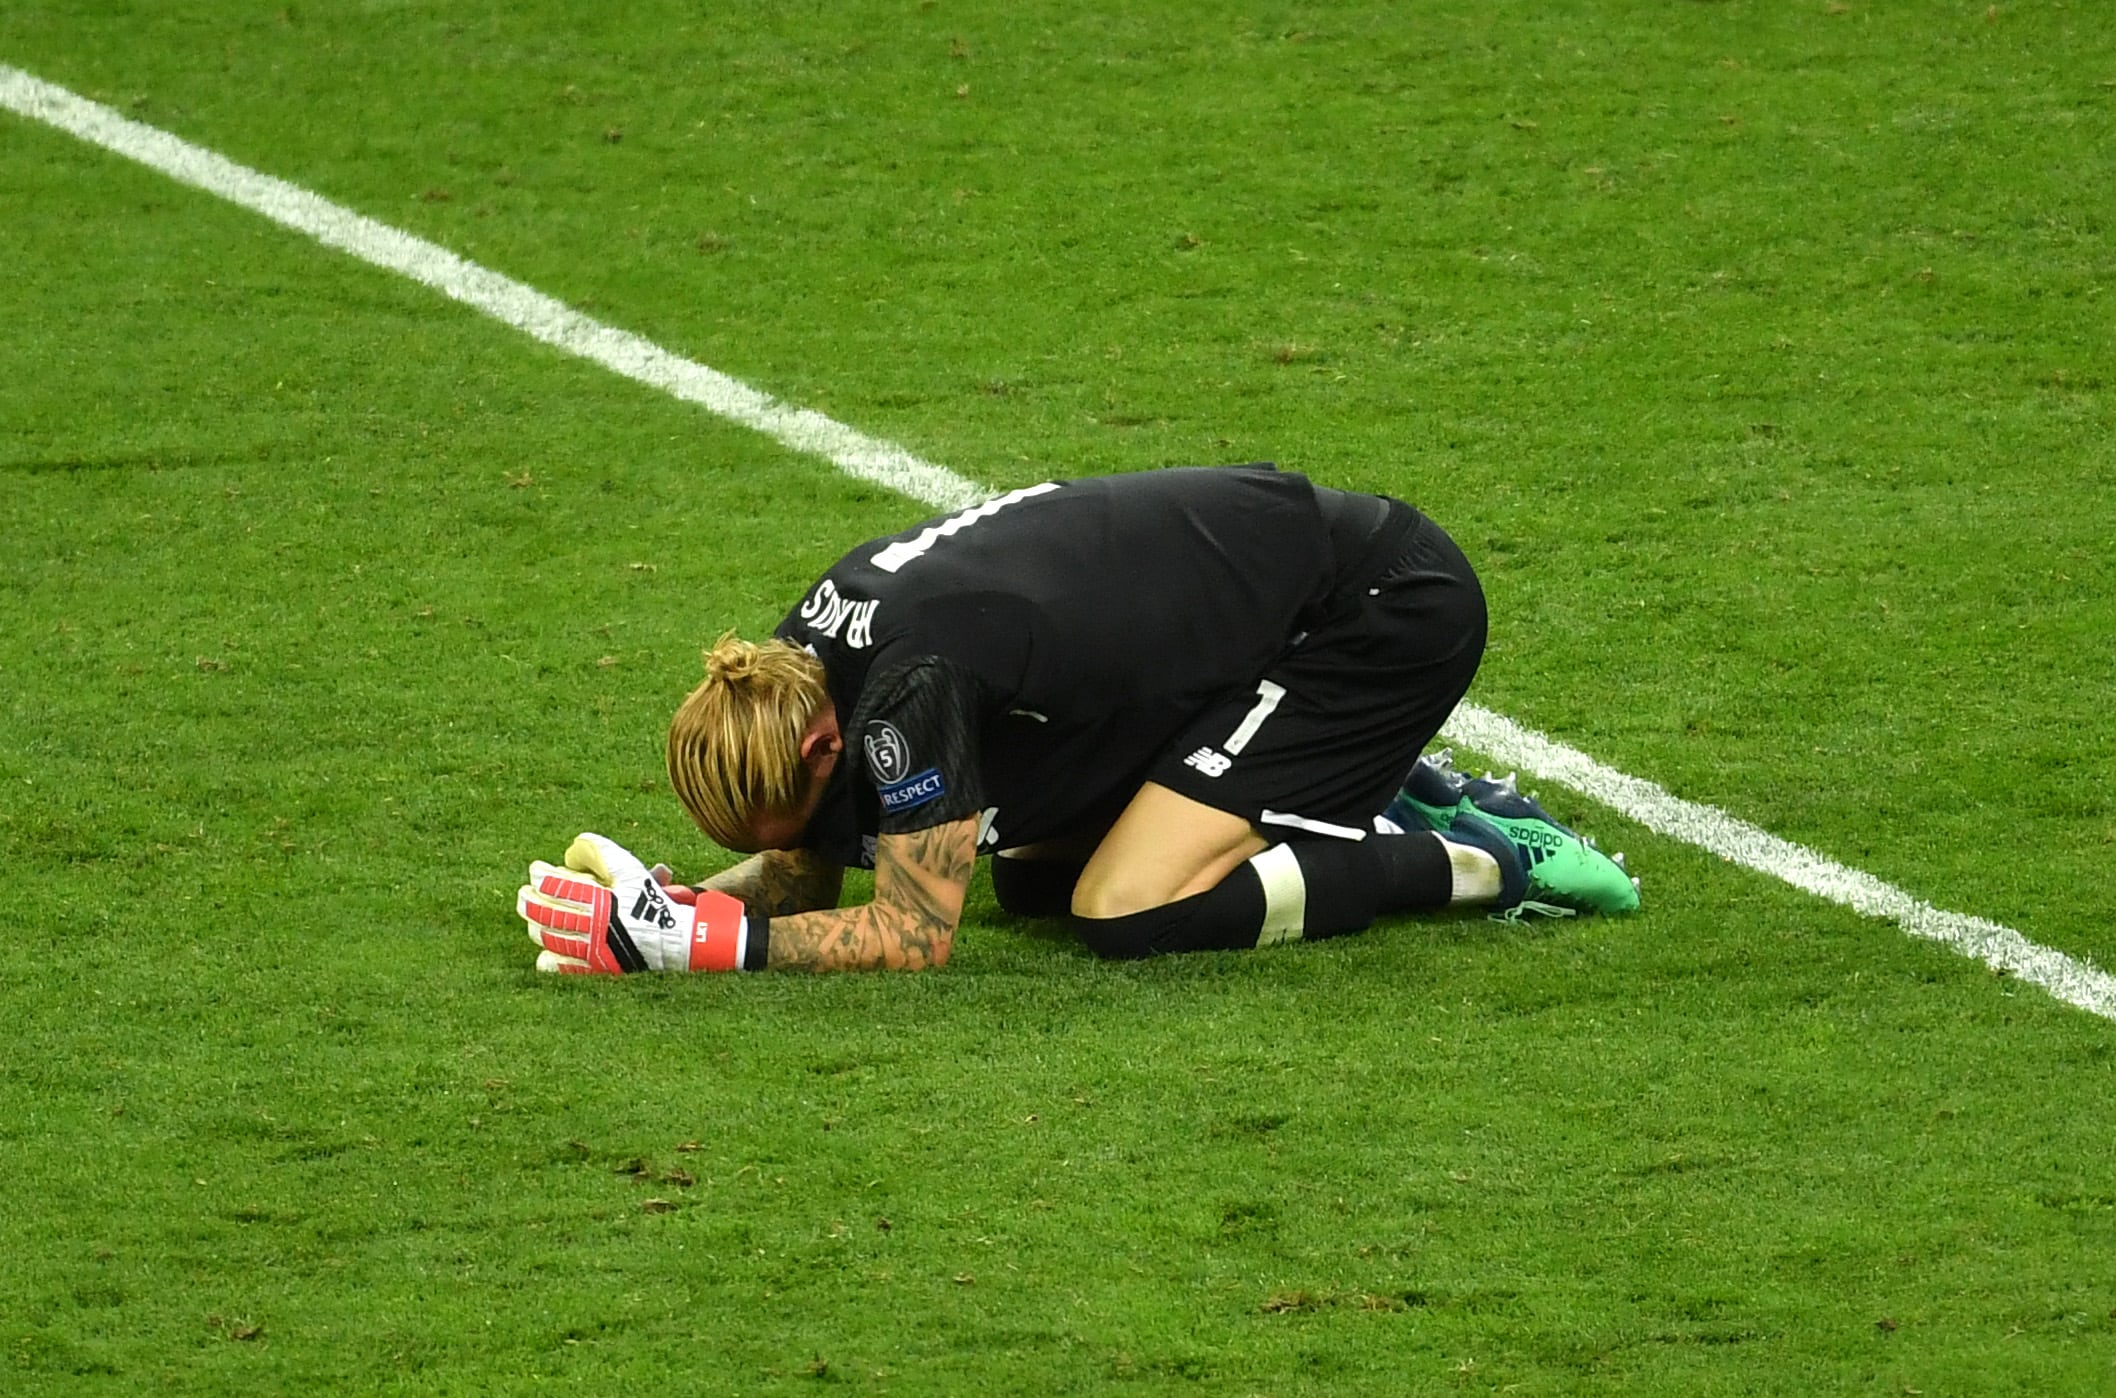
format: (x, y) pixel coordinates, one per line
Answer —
(652, 907)
(1212, 764)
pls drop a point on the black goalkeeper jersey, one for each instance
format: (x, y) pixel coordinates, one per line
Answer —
(1025, 660)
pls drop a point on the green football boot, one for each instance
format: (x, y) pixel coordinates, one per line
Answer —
(1559, 872)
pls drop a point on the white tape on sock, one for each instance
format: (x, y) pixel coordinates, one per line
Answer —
(1285, 895)
(1476, 874)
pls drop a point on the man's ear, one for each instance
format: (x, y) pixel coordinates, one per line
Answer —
(823, 741)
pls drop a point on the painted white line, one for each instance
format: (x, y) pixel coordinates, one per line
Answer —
(886, 464)
(1709, 828)
(525, 308)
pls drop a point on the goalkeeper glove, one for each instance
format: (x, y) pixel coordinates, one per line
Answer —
(605, 912)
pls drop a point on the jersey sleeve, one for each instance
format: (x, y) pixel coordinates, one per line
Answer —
(916, 739)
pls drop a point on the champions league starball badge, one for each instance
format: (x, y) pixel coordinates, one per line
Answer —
(888, 758)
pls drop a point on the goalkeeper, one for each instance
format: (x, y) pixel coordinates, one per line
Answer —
(1180, 709)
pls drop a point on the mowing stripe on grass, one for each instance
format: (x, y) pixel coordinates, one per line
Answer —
(502, 298)
(884, 463)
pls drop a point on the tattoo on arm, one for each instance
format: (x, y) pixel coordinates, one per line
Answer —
(779, 882)
(919, 882)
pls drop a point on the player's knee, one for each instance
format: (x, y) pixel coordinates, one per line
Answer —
(1225, 917)
(1122, 923)
(1102, 897)
(1126, 937)
(1099, 900)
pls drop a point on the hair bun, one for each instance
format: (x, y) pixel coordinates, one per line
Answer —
(730, 659)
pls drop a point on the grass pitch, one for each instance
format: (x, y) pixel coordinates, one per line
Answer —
(1758, 353)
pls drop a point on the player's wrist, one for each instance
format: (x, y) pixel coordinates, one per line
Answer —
(726, 936)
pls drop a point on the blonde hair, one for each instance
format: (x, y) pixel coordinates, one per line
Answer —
(735, 744)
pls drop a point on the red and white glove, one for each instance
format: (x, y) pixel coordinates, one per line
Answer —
(606, 913)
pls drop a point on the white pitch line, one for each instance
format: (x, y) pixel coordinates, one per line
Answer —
(884, 463)
(1709, 828)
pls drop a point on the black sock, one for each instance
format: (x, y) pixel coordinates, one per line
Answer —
(1307, 890)
(1415, 873)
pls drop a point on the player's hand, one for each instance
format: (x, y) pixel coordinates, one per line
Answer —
(605, 912)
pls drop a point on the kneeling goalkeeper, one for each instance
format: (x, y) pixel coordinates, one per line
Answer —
(1177, 708)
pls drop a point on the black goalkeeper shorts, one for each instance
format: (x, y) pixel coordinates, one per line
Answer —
(1328, 733)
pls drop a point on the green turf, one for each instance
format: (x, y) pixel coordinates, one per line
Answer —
(1758, 353)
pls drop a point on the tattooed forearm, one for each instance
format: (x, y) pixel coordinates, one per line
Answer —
(870, 937)
(779, 882)
(919, 882)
